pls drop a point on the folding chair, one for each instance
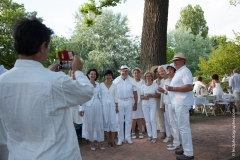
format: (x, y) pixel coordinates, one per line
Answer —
(227, 99)
(210, 102)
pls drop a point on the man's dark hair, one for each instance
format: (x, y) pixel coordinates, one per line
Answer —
(29, 34)
(88, 72)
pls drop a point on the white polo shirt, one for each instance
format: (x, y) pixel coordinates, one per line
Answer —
(125, 89)
(145, 90)
(182, 77)
(234, 81)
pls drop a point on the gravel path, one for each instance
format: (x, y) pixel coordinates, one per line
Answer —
(212, 140)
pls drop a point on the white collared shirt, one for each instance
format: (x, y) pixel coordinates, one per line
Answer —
(125, 89)
(34, 106)
(2, 69)
(183, 76)
(234, 81)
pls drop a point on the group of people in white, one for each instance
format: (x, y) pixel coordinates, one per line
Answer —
(118, 105)
(36, 102)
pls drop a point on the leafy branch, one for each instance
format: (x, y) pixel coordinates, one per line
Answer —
(91, 9)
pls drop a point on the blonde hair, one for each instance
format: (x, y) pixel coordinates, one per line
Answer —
(148, 72)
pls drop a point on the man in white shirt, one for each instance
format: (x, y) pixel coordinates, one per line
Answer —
(180, 92)
(234, 87)
(3, 135)
(127, 102)
(35, 102)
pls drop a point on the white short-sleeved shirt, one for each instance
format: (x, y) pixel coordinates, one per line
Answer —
(145, 90)
(183, 76)
(234, 81)
(125, 89)
(197, 86)
(35, 109)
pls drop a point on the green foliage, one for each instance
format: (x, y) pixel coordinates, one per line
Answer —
(221, 61)
(170, 54)
(91, 9)
(191, 46)
(234, 2)
(107, 44)
(218, 40)
(9, 13)
(192, 20)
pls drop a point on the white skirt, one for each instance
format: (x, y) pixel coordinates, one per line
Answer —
(92, 128)
(74, 114)
(139, 112)
(110, 118)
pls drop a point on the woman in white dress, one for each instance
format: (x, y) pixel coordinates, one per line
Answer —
(109, 97)
(216, 87)
(92, 113)
(160, 115)
(74, 110)
(149, 97)
(137, 116)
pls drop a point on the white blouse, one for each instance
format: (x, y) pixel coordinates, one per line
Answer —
(145, 90)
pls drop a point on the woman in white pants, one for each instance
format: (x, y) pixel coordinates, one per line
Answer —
(164, 100)
(149, 104)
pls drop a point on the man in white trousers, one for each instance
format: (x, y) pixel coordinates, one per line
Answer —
(127, 102)
(180, 91)
(3, 135)
(234, 86)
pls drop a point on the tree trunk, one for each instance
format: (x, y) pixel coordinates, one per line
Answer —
(154, 34)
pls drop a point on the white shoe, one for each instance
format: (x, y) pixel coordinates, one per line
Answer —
(167, 139)
(154, 140)
(173, 148)
(169, 145)
(129, 141)
(140, 135)
(133, 136)
(119, 143)
(149, 138)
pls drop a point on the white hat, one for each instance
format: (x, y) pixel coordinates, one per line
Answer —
(137, 69)
(164, 66)
(171, 65)
(179, 56)
(123, 67)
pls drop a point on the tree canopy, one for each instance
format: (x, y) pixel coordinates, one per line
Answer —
(190, 45)
(9, 13)
(192, 20)
(221, 61)
(107, 44)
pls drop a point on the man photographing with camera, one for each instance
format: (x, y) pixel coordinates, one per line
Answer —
(34, 100)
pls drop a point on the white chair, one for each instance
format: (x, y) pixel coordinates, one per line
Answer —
(227, 100)
(210, 103)
(199, 103)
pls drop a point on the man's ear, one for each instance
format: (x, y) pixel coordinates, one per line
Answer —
(42, 47)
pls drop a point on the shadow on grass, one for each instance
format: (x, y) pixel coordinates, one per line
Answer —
(198, 117)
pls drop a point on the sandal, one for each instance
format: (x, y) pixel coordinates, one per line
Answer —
(92, 146)
(140, 135)
(109, 144)
(100, 146)
(133, 136)
(114, 145)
